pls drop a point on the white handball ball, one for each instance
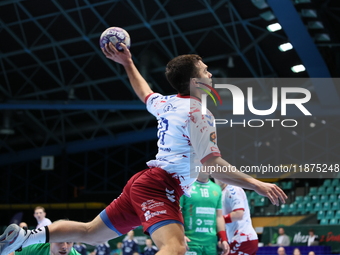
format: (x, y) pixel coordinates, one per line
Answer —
(116, 35)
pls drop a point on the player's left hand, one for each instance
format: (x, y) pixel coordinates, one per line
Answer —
(225, 247)
(272, 191)
(121, 57)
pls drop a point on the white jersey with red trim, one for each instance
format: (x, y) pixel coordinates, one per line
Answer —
(234, 198)
(186, 138)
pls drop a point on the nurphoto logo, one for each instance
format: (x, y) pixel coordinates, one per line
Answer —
(239, 101)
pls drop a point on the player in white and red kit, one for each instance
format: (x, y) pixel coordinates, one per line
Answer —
(242, 236)
(151, 197)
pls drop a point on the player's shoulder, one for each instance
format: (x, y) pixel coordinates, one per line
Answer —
(156, 97)
(215, 186)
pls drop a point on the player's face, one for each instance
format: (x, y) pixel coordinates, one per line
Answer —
(203, 72)
(148, 242)
(39, 214)
(61, 248)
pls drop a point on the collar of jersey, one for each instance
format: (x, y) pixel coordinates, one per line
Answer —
(188, 96)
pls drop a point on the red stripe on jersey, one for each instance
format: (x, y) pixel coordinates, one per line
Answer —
(147, 97)
(214, 154)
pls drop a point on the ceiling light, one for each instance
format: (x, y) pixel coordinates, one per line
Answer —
(309, 13)
(268, 15)
(285, 47)
(230, 62)
(315, 25)
(312, 124)
(298, 68)
(7, 131)
(322, 37)
(261, 4)
(274, 27)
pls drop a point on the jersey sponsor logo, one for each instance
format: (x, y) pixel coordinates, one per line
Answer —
(148, 205)
(205, 210)
(208, 222)
(148, 215)
(202, 230)
(199, 222)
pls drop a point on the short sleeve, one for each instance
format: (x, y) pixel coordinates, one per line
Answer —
(203, 135)
(152, 101)
(237, 201)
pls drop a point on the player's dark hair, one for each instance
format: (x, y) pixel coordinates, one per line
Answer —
(180, 70)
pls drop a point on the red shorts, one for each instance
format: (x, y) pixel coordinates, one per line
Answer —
(149, 197)
(247, 247)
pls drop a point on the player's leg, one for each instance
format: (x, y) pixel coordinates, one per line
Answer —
(94, 232)
(169, 239)
(155, 199)
(115, 220)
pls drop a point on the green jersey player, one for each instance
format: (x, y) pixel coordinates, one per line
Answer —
(203, 219)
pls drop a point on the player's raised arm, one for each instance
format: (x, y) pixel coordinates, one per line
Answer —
(237, 178)
(139, 84)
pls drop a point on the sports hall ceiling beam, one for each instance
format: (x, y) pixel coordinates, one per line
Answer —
(72, 105)
(234, 43)
(316, 109)
(306, 49)
(79, 146)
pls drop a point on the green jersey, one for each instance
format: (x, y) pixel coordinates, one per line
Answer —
(199, 212)
(40, 249)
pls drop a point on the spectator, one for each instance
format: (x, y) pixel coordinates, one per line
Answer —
(311, 253)
(130, 244)
(80, 248)
(281, 251)
(296, 251)
(102, 249)
(119, 250)
(40, 215)
(282, 239)
(150, 249)
(312, 238)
